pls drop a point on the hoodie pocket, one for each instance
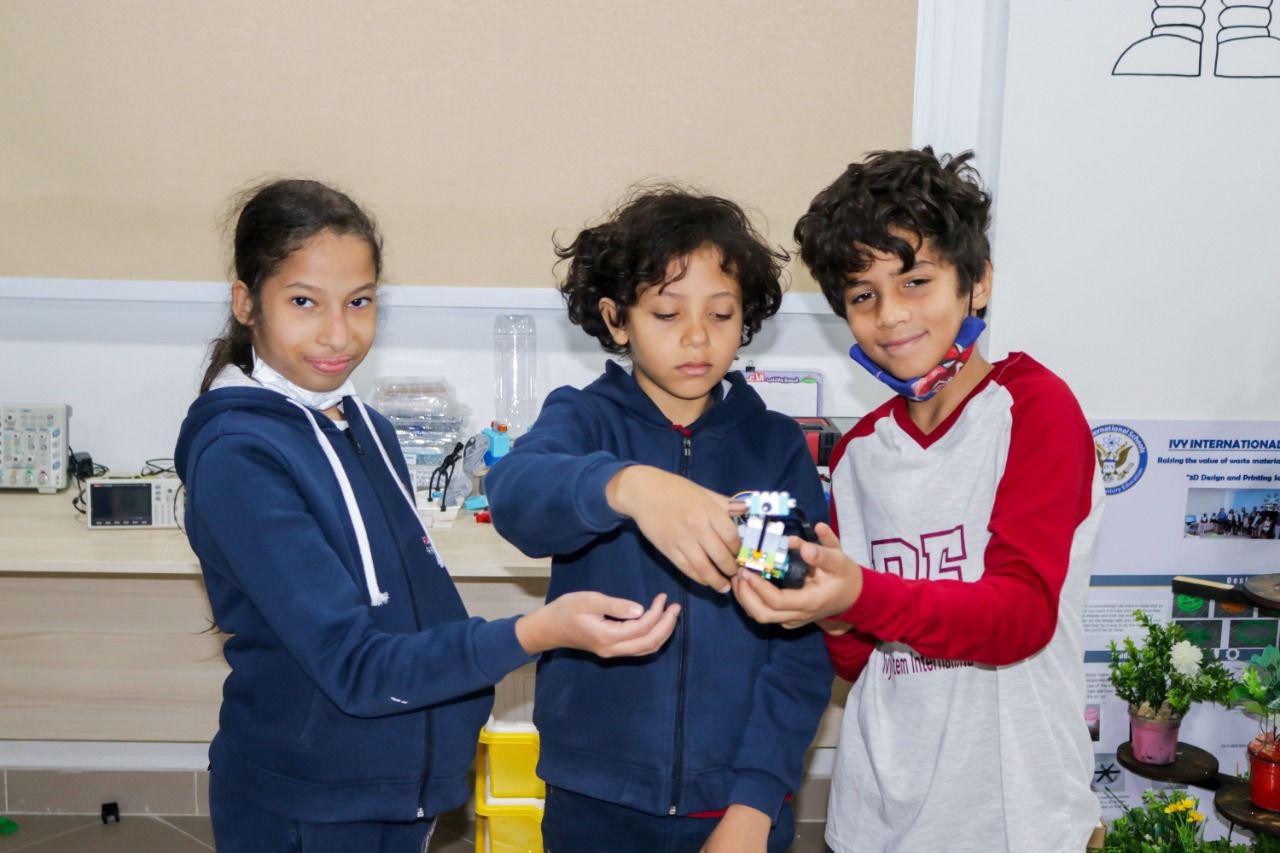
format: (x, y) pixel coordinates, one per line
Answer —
(313, 723)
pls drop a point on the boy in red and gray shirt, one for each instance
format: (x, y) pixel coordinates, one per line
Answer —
(966, 508)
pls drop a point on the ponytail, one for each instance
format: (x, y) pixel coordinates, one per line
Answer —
(234, 346)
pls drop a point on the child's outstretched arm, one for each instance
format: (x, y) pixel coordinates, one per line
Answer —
(1007, 614)
(690, 525)
(848, 649)
(607, 627)
(547, 494)
(276, 554)
(556, 491)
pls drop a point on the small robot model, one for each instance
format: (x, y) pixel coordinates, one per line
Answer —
(771, 519)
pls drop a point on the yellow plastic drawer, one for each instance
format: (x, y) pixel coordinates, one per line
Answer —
(504, 825)
(509, 834)
(510, 760)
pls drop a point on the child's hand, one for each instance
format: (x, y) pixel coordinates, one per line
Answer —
(833, 585)
(691, 526)
(598, 623)
(741, 830)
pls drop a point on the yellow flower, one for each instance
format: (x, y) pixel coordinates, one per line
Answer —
(1195, 816)
(1171, 808)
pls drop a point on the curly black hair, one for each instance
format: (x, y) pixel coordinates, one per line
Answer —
(632, 249)
(941, 199)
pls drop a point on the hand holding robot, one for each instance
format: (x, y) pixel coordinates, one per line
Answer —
(766, 528)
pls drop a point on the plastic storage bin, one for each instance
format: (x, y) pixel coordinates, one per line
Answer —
(511, 760)
(509, 829)
(509, 795)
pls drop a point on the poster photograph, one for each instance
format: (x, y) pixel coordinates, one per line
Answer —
(1194, 499)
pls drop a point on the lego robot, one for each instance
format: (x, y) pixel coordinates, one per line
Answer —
(771, 519)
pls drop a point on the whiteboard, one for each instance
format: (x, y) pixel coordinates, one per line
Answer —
(1137, 215)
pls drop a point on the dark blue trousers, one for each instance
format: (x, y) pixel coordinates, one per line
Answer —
(241, 826)
(573, 823)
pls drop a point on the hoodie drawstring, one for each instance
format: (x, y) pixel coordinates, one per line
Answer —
(364, 413)
(376, 596)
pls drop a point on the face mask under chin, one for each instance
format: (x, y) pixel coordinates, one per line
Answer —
(922, 388)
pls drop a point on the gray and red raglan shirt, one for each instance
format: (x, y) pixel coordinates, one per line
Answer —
(964, 727)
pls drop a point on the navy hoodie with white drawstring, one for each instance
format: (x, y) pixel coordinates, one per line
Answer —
(358, 684)
(724, 712)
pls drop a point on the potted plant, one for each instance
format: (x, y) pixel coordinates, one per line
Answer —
(1161, 680)
(1168, 821)
(1258, 692)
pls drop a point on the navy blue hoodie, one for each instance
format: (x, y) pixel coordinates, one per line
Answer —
(724, 712)
(335, 709)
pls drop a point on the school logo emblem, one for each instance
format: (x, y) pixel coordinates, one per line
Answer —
(1122, 456)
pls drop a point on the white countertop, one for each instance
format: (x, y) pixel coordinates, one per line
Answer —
(43, 534)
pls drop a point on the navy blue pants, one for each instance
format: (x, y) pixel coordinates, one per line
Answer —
(573, 823)
(240, 825)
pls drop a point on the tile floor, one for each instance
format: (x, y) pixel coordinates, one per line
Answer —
(148, 834)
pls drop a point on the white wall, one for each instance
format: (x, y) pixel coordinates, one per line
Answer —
(1137, 219)
(130, 368)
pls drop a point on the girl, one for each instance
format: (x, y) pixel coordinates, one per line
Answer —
(358, 685)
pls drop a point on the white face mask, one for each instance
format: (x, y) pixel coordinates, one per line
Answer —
(269, 377)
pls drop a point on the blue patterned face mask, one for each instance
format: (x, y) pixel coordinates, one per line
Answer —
(923, 387)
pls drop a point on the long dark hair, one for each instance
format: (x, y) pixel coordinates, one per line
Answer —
(274, 220)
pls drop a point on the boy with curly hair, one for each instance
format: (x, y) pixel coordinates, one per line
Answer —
(625, 482)
(967, 507)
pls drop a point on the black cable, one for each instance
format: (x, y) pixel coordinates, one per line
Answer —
(444, 473)
(158, 466)
(96, 471)
(178, 517)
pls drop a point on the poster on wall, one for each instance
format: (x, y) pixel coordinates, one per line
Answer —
(1193, 498)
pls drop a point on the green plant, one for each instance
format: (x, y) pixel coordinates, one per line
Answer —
(1265, 844)
(1258, 692)
(1168, 821)
(1162, 678)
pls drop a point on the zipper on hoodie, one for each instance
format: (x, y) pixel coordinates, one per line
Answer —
(428, 748)
(686, 466)
(354, 441)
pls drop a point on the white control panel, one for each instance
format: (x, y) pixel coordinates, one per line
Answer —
(132, 502)
(33, 446)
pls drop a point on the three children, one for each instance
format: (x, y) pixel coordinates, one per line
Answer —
(965, 506)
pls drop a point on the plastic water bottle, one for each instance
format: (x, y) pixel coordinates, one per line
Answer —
(515, 348)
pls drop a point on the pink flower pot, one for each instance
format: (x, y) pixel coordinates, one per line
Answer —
(1154, 741)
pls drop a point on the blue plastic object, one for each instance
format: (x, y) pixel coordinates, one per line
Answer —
(499, 444)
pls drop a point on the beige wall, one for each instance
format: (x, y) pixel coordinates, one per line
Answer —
(472, 129)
